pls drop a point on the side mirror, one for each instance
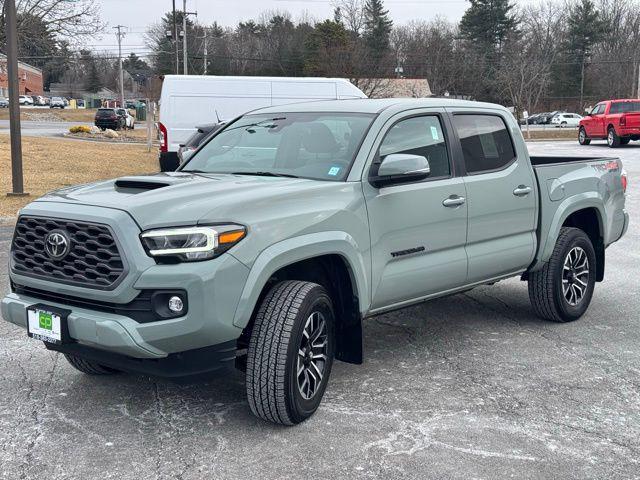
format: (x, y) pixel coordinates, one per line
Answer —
(186, 155)
(400, 168)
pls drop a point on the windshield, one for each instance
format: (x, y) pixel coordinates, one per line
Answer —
(319, 146)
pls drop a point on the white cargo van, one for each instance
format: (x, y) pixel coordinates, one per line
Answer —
(190, 100)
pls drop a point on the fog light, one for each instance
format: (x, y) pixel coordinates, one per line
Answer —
(175, 304)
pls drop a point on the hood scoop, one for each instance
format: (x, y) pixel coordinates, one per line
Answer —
(140, 183)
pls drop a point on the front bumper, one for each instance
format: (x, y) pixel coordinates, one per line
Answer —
(213, 289)
(186, 366)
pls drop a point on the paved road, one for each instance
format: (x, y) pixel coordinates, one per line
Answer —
(41, 129)
(472, 386)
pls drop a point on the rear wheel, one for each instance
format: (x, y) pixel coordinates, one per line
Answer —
(89, 367)
(613, 140)
(290, 352)
(562, 290)
(624, 141)
(582, 137)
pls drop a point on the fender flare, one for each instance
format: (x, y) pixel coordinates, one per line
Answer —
(296, 249)
(565, 209)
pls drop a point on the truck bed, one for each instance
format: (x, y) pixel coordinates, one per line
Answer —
(573, 183)
(555, 160)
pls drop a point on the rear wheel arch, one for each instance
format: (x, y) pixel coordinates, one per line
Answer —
(589, 220)
(335, 274)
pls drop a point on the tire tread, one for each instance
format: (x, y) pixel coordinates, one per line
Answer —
(267, 355)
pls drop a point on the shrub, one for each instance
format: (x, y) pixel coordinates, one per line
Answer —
(80, 129)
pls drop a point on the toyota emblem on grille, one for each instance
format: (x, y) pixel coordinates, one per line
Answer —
(57, 244)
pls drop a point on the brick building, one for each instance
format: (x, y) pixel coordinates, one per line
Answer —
(30, 78)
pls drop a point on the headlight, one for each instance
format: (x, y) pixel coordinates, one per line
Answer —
(192, 244)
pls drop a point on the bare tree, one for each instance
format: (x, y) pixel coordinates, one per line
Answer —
(351, 14)
(72, 20)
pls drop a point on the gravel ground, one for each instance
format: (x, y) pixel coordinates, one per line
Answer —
(471, 386)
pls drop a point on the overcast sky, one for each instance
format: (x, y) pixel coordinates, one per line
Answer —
(136, 15)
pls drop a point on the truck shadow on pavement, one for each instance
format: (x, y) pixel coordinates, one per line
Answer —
(454, 336)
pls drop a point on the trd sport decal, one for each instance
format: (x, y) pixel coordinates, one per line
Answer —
(402, 253)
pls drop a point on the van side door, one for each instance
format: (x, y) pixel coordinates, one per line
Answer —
(418, 230)
(501, 194)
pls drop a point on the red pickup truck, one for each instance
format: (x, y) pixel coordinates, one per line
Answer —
(617, 121)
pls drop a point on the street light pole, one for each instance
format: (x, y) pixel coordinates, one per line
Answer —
(14, 101)
(120, 35)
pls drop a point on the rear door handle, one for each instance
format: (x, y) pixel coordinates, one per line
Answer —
(522, 190)
(453, 201)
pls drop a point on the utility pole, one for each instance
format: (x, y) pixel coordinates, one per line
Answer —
(185, 59)
(204, 72)
(184, 37)
(120, 36)
(175, 38)
(14, 102)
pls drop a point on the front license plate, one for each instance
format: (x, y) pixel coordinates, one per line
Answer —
(45, 324)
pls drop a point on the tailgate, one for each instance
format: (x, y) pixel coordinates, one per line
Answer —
(632, 119)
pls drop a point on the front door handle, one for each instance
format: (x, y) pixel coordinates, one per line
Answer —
(453, 201)
(522, 190)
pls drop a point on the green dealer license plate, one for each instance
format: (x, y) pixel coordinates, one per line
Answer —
(46, 325)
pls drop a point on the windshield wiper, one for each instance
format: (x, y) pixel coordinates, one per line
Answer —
(266, 174)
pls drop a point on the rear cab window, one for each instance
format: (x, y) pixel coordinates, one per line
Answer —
(624, 107)
(486, 142)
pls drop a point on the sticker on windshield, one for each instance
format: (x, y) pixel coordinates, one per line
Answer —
(434, 133)
(333, 171)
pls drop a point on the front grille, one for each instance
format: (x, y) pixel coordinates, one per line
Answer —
(93, 261)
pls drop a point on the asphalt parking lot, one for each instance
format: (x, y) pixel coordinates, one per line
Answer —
(471, 386)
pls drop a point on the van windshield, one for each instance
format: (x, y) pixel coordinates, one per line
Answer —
(318, 146)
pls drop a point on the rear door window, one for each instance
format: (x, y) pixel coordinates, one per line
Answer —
(486, 143)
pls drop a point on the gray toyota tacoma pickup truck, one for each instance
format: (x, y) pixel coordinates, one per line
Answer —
(270, 245)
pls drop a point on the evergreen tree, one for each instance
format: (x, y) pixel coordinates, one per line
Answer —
(377, 28)
(585, 29)
(92, 81)
(487, 24)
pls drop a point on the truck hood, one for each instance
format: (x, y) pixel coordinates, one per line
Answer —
(176, 198)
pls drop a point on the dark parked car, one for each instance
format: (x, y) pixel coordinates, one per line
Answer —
(4, 102)
(108, 118)
(194, 141)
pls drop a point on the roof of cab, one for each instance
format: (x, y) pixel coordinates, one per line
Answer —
(372, 106)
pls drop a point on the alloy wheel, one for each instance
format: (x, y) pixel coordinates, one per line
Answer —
(575, 276)
(312, 355)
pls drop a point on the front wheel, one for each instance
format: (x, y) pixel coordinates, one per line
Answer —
(290, 352)
(582, 137)
(562, 290)
(89, 367)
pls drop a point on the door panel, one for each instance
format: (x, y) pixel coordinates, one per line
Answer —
(501, 236)
(417, 242)
(501, 198)
(414, 217)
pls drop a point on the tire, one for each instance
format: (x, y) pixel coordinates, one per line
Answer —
(613, 140)
(89, 367)
(275, 393)
(582, 137)
(625, 141)
(547, 285)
